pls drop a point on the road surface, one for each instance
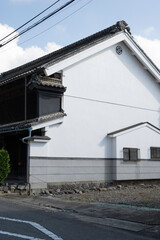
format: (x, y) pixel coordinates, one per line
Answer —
(24, 222)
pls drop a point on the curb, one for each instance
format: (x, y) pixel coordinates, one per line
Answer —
(115, 223)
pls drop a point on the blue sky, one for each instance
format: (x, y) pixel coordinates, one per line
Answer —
(142, 16)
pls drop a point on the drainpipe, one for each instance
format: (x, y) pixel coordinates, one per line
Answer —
(28, 137)
(24, 140)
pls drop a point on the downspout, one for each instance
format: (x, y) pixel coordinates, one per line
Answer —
(28, 137)
(24, 140)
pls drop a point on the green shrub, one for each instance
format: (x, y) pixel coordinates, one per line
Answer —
(4, 164)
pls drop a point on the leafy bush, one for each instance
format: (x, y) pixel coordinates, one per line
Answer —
(4, 164)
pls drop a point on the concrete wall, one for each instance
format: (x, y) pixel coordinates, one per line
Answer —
(137, 170)
(45, 170)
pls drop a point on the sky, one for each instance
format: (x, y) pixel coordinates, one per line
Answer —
(79, 20)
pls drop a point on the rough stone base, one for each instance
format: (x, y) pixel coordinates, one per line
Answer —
(80, 187)
(14, 189)
(84, 187)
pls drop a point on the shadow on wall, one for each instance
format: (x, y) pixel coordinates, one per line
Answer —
(110, 162)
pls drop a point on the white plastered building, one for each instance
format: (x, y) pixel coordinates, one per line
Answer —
(94, 115)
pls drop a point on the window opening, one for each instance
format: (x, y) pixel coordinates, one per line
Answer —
(130, 154)
(155, 152)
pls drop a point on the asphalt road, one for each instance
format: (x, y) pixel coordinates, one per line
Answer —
(22, 222)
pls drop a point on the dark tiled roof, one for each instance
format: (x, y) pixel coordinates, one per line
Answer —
(50, 117)
(18, 126)
(65, 52)
(132, 126)
(46, 81)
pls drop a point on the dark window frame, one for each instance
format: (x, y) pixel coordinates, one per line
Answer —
(50, 95)
(153, 151)
(131, 152)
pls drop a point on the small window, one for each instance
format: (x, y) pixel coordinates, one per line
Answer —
(130, 154)
(49, 103)
(155, 152)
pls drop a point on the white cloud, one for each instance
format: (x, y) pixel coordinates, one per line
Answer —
(151, 48)
(148, 31)
(51, 47)
(13, 55)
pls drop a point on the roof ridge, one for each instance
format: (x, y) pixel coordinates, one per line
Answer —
(132, 126)
(46, 59)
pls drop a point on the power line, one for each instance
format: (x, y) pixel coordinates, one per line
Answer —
(37, 23)
(57, 22)
(54, 24)
(29, 20)
(113, 103)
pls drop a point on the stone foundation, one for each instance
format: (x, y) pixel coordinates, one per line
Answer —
(14, 189)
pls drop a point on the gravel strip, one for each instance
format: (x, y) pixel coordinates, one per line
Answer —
(138, 195)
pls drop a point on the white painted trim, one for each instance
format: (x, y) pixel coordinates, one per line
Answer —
(47, 123)
(86, 53)
(142, 57)
(152, 128)
(40, 140)
(134, 129)
(121, 37)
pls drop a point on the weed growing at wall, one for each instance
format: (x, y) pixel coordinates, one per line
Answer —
(4, 164)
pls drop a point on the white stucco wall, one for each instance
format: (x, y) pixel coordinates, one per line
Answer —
(143, 137)
(105, 92)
